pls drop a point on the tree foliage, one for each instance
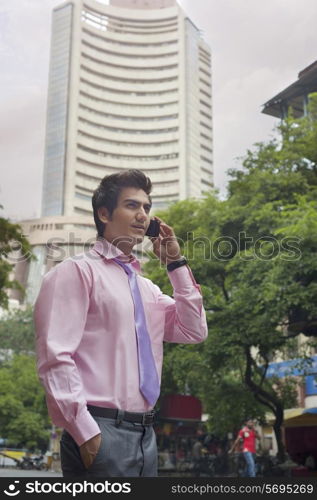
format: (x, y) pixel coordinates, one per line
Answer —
(23, 413)
(11, 240)
(17, 332)
(254, 254)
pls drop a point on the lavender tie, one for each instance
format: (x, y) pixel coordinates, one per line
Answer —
(149, 381)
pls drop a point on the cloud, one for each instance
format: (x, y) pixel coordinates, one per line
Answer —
(258, 48)
(22, 135)
(24, 53)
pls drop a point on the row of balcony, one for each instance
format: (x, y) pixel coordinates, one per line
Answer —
(115, 68)
(99, 160)
(128, 97)
(131, 154)
(122, 132)
(128, 85)
(131, 140)
(154, 123)
(132, 39)
(111, 27)
(143, 49)
(126, 148)
(101, 99)
(132, 61)
(123, 111)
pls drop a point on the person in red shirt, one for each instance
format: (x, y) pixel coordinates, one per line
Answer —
(247, 438)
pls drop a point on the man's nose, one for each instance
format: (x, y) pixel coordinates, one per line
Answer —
(141, 215)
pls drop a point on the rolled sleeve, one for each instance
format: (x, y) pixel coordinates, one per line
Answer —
(185, 318)
(182, 280)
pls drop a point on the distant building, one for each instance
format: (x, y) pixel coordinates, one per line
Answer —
(295, 96)
(52, 239)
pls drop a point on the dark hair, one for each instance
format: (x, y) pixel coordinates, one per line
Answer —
(107, 193)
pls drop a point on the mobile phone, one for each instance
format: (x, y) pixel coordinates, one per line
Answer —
(154, 229)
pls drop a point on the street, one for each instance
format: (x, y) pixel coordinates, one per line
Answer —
(15, 472)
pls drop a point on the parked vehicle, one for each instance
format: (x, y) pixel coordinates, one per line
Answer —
(32, 462)
(39, 463)
(25, 463)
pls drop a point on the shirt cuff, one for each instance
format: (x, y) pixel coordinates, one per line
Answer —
(83, 428)
(182, 277)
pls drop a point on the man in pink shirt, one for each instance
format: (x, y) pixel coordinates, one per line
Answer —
(87, 321)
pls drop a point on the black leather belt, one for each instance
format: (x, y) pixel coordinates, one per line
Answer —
(119, 415)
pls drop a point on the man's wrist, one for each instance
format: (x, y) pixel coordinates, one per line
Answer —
(173, 259)
(174, 264)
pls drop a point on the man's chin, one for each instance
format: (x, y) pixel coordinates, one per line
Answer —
(129, 240)
(124, 240)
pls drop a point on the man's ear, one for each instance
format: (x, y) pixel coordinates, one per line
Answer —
(103, 214)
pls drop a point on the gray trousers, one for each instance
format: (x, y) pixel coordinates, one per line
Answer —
(127, 450)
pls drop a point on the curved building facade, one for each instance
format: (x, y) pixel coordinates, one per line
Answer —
(129, 87)
(52, 240)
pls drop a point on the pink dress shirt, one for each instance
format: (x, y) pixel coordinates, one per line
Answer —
(85, 334)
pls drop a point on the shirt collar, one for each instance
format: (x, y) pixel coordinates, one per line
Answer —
(108, 251)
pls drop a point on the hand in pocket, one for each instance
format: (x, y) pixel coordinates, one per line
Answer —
(89, 450)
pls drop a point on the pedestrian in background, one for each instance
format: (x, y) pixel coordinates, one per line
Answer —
(247, 439)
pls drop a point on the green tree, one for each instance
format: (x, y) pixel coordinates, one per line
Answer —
(11, 240)
(17, 332)
(23, 414)
(254, 254)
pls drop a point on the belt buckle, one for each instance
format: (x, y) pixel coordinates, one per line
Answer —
(148, 417)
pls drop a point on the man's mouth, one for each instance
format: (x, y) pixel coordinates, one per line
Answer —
(139, 227)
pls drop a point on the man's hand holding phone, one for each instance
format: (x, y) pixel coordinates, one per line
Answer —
(154, 229)
(165, 245)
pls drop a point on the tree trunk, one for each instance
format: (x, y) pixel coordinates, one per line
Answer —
(269, 400)
(277, 426)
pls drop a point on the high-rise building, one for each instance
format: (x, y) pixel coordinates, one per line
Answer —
(129, 87)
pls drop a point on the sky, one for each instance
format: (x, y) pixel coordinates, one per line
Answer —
(258, 48)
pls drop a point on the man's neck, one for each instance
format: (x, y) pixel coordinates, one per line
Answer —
(124, 246)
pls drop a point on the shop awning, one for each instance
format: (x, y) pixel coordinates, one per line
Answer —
(306, 418)
(297, 417)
